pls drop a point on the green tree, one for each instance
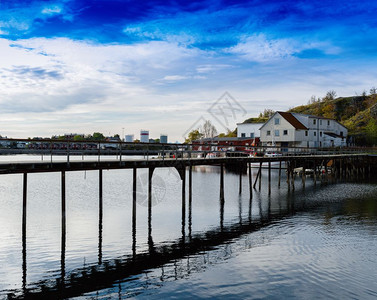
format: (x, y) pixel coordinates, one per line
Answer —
(78, 138)
(193, 135)
(97, 136)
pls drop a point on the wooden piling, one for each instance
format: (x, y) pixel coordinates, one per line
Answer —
(183, 201)
(134, 183)
(190, 202)
(63, 200)
(269, 177)
(279, 174)
(150, 174)
(240, 183)
(24, 203)
(258, 174)
(100, 214)
(250, 183)
(222, 182)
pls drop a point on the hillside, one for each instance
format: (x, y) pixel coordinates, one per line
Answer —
(358, 114)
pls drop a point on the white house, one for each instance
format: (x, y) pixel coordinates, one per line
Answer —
(298, 130)
(250, 130)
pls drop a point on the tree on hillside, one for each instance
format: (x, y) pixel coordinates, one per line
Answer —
(330, 95)
(373, 91)
(267, 113)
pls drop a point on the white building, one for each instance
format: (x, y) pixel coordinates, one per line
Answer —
(129, 138)
(299, 130)
(251, 130)
(144, 136)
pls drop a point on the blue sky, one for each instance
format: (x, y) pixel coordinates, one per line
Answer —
(85, 66)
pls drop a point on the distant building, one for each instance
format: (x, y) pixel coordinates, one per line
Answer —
(163, 138)
(129, 138)
(249, 130)
(298, 130)
(144, 136)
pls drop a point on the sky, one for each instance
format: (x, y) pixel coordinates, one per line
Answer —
(118, 67)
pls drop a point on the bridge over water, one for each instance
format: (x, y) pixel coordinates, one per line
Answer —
(321, 165)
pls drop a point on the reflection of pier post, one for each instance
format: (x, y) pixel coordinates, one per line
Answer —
(24, 233)
(100, 217)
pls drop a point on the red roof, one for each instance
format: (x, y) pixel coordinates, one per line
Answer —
(292, 120)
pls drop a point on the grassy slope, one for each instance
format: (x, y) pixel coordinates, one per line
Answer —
(353, 112)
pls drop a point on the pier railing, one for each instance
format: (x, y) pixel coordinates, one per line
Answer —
(97, 149)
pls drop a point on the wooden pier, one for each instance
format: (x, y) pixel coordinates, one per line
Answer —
(342, 166)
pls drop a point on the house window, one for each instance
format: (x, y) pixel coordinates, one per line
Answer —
(306, 133)
(341, 133)
(315, 133)
(252, 135)
(285, 132)
(243, 134)
(268, 132)
(277, 121)
(320, 133)
(277, 133)
(328, 123)
(320, 122)
(314, 121)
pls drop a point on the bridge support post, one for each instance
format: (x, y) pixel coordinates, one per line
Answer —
(279, 174)
(100, 216)
(183, 201)
(24, 205)
(190, 200)
(240, 183)
(269, 177)
(134, 182)
(62, 260)
(222, 182)
(63, 200)
(150, 174)
(250, 191)
(258, 174)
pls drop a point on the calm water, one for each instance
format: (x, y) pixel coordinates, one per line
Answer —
(317, 242)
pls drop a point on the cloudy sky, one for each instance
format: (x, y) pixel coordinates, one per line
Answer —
(104, 65)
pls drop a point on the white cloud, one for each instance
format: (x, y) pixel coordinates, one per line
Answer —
(260, 49)
(59, 85)
(174, 77)
(51, 10)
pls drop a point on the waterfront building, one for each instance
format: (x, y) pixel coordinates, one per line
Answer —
(129, 138)
(298, 130)
(163, 138)
(250, 130)
(144, 136)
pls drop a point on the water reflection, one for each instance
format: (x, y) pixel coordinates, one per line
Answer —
(107, 272)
